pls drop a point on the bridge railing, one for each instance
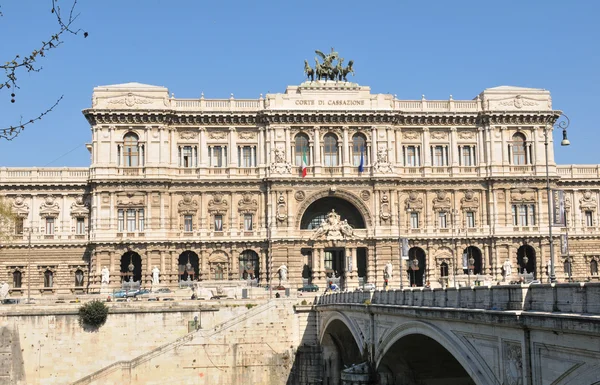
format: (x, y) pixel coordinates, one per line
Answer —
(567, 297)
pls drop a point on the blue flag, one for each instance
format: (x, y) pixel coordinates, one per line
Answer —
(361, 167)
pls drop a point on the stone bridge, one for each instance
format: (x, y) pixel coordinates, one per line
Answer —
(505, 335)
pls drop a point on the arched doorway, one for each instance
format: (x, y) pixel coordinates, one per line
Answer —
(249, 265)
(526, 260)
(472, 254)
(340, 350)
(416, 266)
(131, 267)
(188, 266)
(420, 360)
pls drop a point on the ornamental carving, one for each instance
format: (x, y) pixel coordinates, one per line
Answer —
(385, 212)
(281, 208)
(217, 135)
(130, 199)
(466, 134)
(20, 208)
(247, 135)
(588, 201)
(414, 202)
(513, 363)
(519, 102)
(300, 196)
(49, 208)
(365, 195)
(187, 205)
(130, 100)
(441, 202)
(247, 205)
(280, 166)
(469, 202)
(410, 135)
(382, 165)
(187, 135)
(333, 228)
(79, 208)
(439, 135)
(522, 195)
(218, 205)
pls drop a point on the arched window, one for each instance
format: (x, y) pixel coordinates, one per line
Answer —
(567, 267)
(131, 150)
(17, 279)
(301, 149)
(444, 269)
(330, 150)
(593, 267)
(48, 279)
(359, 148)
(518, 148)
(79, 278)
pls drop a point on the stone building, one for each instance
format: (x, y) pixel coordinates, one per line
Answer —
(213, 190)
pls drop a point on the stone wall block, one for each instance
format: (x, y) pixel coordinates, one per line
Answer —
(428, 297)
(439, 297)
(453, 297)
(541, 297)
(500, 297)
(483, 297)
(592, 297)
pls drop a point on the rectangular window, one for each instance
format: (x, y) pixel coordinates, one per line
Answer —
(246, 158)
(470, 219)
(19, 225)
(411, 156)
(248, 222)
(468, 158)
(523, 215)
(141, 220)
(187, 156)
(438, 156)
(328, 260)
(80, 226)
(17, 279)
(219, 156)
(443, 222)
(589, 219)
(218, 222)
(188, 224)
(131, 220)
(414, 220)
(121, 220)
(49, 226)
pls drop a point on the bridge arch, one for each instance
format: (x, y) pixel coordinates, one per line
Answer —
(339, 341)
(471, 363)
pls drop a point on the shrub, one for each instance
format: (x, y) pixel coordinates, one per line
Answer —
(250, 305)
(367, 302)
(93, 314)
(303, 302)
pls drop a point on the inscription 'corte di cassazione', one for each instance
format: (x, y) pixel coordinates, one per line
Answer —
(330, 102)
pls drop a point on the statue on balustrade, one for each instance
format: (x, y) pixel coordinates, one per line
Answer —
(155, 275)
(507, 269)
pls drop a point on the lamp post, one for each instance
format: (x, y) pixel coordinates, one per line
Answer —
(563, 124)
(29, 266)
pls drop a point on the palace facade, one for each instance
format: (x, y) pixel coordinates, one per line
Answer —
(212, 190)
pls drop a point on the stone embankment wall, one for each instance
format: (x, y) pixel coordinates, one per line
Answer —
(151, 343)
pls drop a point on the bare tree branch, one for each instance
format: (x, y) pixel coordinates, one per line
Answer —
(28, 63)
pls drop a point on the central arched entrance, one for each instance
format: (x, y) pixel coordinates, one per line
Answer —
(334, 217)
(472, 260)
(419, 359)
(249, 265)
(526, 260)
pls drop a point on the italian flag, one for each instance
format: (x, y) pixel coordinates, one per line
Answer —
(304, 162)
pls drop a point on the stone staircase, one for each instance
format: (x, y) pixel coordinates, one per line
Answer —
(256, 347)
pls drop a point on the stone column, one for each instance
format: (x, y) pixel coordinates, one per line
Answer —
(288, 152)
(345, 149)
(261, 147)
(426, 153)
(374, 146)
(233, 150)
(317, 147)
(453, 148)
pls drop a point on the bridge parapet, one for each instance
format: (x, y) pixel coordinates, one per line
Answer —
(566, 297)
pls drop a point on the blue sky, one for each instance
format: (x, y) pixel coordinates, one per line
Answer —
(435, 48)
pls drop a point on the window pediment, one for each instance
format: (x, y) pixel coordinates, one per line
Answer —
(588, 201)
(414, 202)
(188, 205)
(469, 202)
(20, 208)
(218, 205)
(130, 200)
(79, 208)
(247, 205)
(522, 196)
(441, 202)
(49, 209)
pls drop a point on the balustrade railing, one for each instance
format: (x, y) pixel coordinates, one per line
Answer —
(566, 297)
